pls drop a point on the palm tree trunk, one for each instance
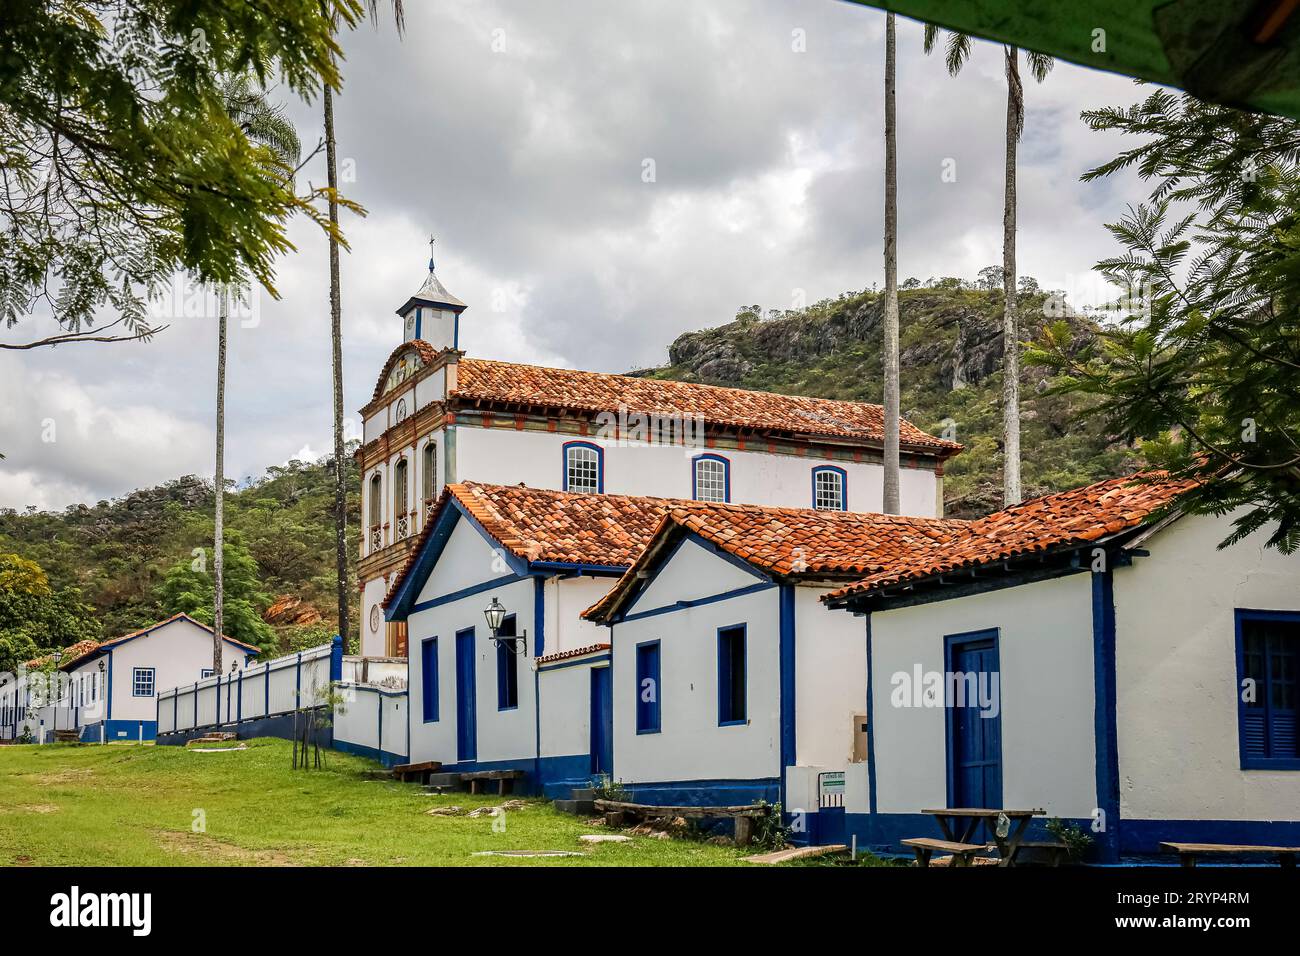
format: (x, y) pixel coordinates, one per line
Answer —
(891, 462)
(1010, 324)
(336, 340)
(219, 489)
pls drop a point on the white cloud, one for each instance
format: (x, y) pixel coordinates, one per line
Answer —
(526, 162)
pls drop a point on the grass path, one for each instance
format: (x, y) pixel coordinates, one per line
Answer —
(138, 806)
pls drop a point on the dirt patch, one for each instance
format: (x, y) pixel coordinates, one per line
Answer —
(63, 776)
(218, 851)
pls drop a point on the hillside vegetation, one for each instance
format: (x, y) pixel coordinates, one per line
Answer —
(121, 553)
(950, 357)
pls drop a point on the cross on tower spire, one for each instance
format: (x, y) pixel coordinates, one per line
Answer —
(431, 242)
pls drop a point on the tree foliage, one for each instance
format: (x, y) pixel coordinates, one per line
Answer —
(187, 588)
(36, 618)
(1203, 362)
(119, 163)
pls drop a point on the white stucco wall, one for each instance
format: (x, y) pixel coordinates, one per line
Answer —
(690, 744)
(566, 708)
(830, 680)
(1176, 675)
(468, 560)
(502, 456)
(1045, 652)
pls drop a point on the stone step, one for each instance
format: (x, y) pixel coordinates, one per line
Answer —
(583, 793)
(443, 781)
(575, 806)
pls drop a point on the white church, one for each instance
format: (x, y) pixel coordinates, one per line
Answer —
(541, 546)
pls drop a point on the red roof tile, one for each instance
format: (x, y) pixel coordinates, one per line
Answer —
(576, 652)
(537, 524)
(71, 653)
(791, 542)
(530, 385)
(1065, 519)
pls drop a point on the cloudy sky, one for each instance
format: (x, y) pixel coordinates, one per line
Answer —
(520, 135)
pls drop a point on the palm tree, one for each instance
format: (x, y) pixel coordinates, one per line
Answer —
(958, 51)
(891, 502)
(336, 341)
(264, 125)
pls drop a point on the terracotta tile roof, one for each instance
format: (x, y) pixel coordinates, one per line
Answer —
(1065, 519)
(540, 525)
(108, 645)
(70, 654)
(576, 652)
(791, 542)
(531, 385)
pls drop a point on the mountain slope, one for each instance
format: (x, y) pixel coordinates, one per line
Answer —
(951, 353)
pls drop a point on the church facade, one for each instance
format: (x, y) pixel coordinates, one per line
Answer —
(439, 417)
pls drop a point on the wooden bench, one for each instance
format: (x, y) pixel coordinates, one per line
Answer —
(925, 847)
(415, 771)
(617, 811)
(505, 780)
(1188, 853)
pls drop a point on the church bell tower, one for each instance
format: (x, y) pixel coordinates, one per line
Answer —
(432, 313)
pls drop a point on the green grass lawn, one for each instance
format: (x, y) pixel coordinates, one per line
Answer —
(138, 806)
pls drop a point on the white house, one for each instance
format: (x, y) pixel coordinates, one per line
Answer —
(732, 681)
(111, 689)
(542, 556)
(438, 417)
(1092, 653)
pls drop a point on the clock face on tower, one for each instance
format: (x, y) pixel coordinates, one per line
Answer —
(374, 618)
(400, 413)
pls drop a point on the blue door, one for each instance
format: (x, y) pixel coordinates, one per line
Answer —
(602, 721)
(974, 731)
(466, 731)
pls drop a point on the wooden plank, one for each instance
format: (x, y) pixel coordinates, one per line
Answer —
(491, 775)
(987, 813)
(1226, 848)
(797, 853)
(649, 810)
(944, 846)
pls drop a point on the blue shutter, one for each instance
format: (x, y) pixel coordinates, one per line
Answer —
(648, 690)
(429, 678)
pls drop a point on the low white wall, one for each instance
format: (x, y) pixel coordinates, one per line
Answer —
(372, 718)
(295, 680)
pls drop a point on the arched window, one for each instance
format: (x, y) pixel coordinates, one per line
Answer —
(429, 472)
(830, 488)
(376, 501)
(584, 467)
(710, 478)
(401, 506)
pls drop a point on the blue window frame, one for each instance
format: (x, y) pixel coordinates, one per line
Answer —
(830, 488)
(648, 698)
(584, 467)
(142, 682)
(1268, 689)
(710, 478)
(732, 698)
(507, 668)
(429, 679)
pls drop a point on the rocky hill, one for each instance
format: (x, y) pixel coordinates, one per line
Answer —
(950, 359)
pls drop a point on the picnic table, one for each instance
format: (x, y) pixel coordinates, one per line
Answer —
(961, 824)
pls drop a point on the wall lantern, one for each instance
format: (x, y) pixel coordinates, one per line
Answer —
(496, 615)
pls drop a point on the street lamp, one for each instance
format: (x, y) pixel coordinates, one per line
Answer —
(496, 615)
(58, 656)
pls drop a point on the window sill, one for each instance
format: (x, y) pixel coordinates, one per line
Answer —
(649, 730)
(744, 722)
(1270, 763)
